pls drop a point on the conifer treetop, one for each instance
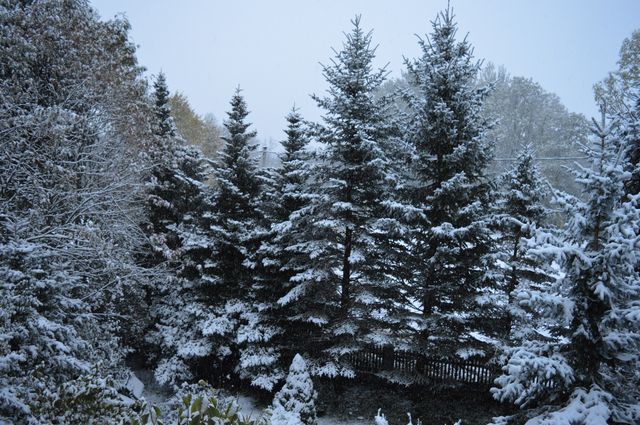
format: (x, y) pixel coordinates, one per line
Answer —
(351, 77)
(523, 185)
(449, 126)
(235, 124)
(161, 108)
(295, 140)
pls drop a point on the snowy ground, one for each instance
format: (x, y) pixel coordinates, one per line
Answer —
(150, 391)
(142, 384)
(249, 408)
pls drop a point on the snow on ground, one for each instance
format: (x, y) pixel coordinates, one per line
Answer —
(327, 420)
(249, 408)
(142, 383)
(134, 385)
(152, 392)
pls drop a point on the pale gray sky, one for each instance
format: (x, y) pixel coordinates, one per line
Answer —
(272, 49)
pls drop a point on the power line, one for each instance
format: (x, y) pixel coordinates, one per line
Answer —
(557, 158)
(549, 158)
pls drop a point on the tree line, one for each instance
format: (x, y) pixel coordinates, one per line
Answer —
(122, 243)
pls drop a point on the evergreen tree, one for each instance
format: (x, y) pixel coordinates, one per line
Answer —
(450, 239)
(520, 213)
(182, 244)
(295, 402)
(630, 123)
(339, 291)
(235, 201)
(283, 194)
(600, 290)
(537, 312)
(233, 218)
(175, 173)
(163, 124)
(602, 273)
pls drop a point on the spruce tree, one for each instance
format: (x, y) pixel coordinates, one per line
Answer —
(182, 245)
(630, 130)
(520, 213)
(175, 177)
(598, 292)
(339, 291)
(272, 263)
(233, 218)
(450, 239)
(163, 124)
(602, 273)
(235, 201)
(295, 402)
(537, 314)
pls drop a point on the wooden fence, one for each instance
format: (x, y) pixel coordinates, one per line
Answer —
(385, 358)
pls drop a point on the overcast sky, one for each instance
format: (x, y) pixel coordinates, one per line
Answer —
(272, 49)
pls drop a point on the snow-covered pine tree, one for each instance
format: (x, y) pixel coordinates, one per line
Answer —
(293, 173)
(181, 244)
(519, 213)
(235, 201)
(176, 188)
(160, 187)
(295, 402)
(602, 272)
(284, 193)
(451, 238)
(600, 286)
(233, 216)
(537, 313)
(339, 286)
(163, 125)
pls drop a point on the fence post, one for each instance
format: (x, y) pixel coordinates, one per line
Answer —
(387, 357)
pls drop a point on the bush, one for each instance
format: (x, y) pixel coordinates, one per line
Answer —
(295, 403)
(198, 406)
(85, 400)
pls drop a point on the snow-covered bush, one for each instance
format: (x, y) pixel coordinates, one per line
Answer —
(532, 372)
(294, 404)
(196, 404)
(585, 407)
(88, 399)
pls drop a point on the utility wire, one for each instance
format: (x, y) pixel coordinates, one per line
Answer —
(557, 158)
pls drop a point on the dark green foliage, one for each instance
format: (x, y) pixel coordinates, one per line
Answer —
(450, 239)
(272, 263)
(340, 291)
(181, 246)
(163, 123)
(234, 207)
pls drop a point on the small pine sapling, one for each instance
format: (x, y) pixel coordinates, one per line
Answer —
(295, 402)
